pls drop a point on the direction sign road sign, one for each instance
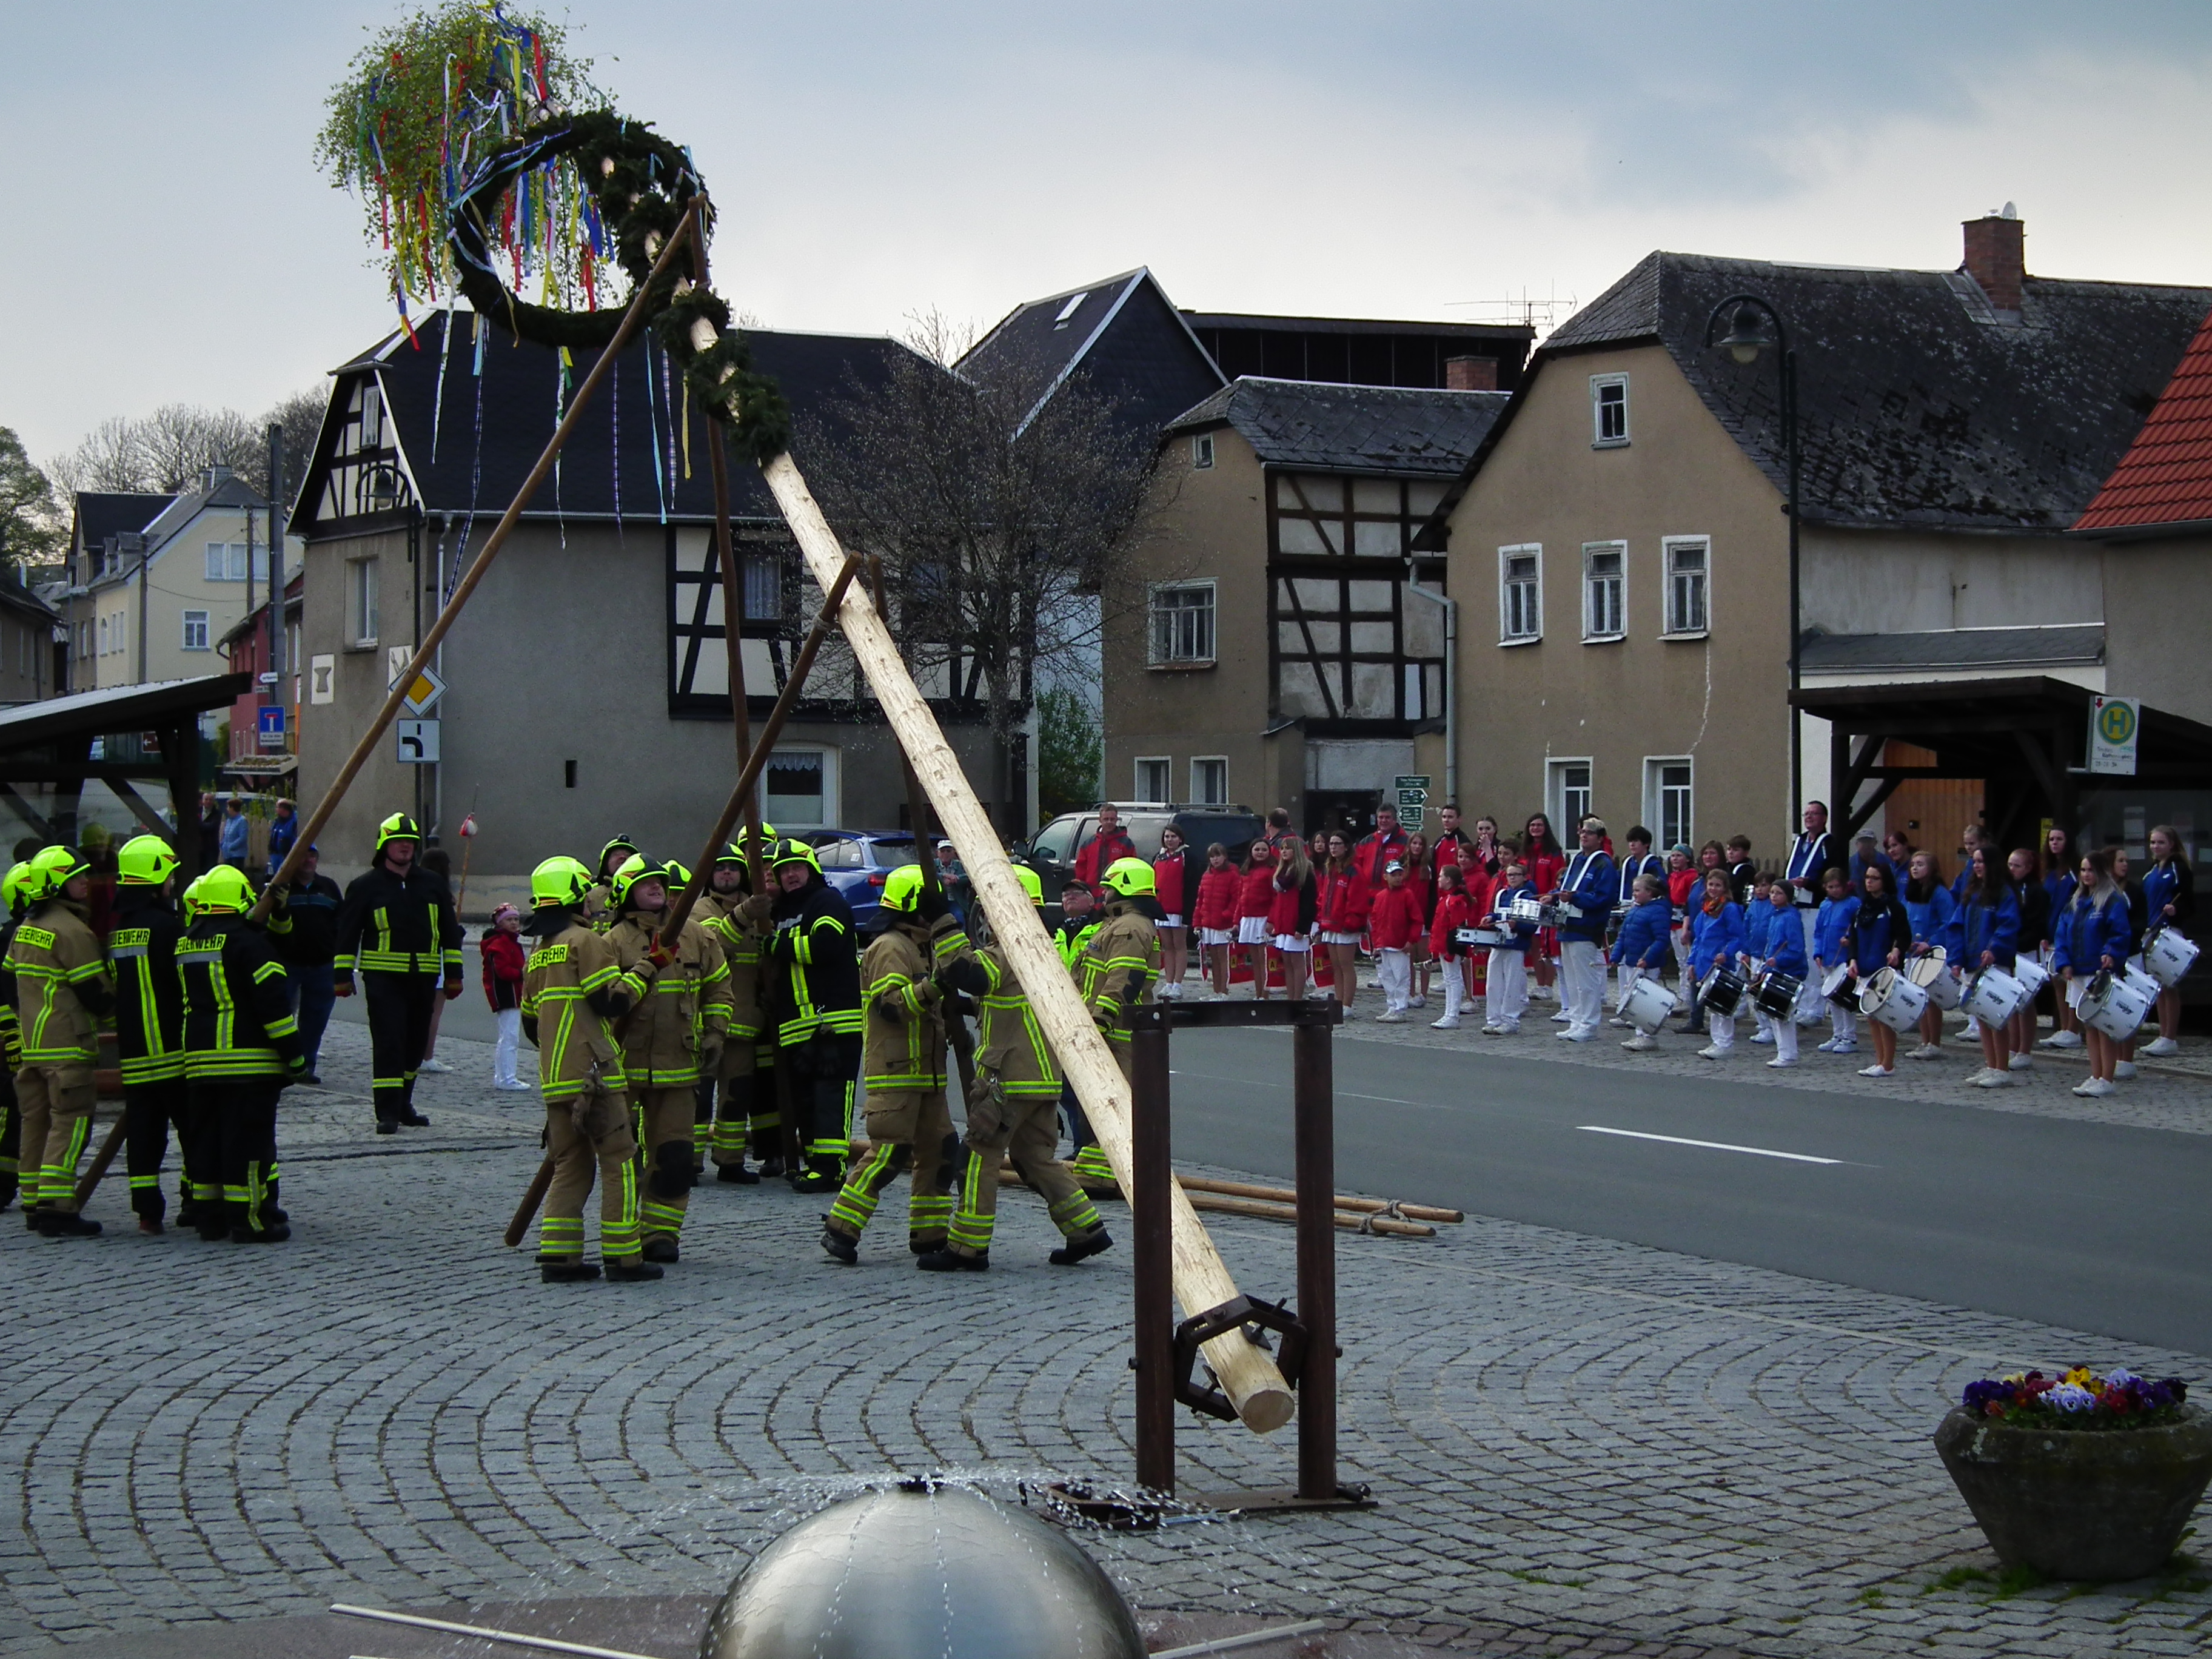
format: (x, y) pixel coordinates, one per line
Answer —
(418, 742)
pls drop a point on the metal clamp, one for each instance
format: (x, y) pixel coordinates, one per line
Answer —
(1236, 1313)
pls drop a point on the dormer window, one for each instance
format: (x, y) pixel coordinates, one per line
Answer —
(1608, 411)
(1068, 311)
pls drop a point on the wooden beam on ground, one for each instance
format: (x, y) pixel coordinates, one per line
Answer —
(1248, 1375)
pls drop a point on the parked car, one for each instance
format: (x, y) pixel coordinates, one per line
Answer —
(1052, 853)
(857, 862)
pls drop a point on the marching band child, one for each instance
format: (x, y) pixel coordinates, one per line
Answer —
(1717, 940)
(1214, 916)
(1420, 876)
(2169, 890)
(1341, 916)
(1394, 923)
(2091, 936)
(1832, 928)
(1505, 996)
(1880, 933)
(1255, 899)
(1785, 954)
(1542, 859)
(1642, 948)
(1290, 914)
(1455, 911)
(1929, 904)
(1758, 921)
(1640, 861)
(2034, 903)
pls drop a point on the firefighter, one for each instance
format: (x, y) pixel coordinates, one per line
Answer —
(742, 1098)
(813, 969)
(572, 993)
(13, 901)
(62, 987)
(677, 1033)
(149, 1036)
(1115, 970)
(242, 1047)
(909, 1125)
(1079, 920)
(398, 927)
(598, 910)
(1014, 1115)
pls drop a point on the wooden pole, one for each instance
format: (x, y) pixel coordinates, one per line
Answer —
(87, 1182)
(1348, 1221)
(1247, 1374)
(1343, 1202)
(632, 319)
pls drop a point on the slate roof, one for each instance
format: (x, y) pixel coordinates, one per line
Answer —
(1956, 647)
(1919, 407)
(2166, 477)
(1322, 426)
(102, 513)
(517, 386)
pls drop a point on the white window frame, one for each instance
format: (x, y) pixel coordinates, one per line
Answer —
(192, 619)
(1166, 775)
(103, 636)
(1153, 656)
(826, 758)
(362, 600)
(1655, 804)
(1563, 817)
(1198, 796)
(1600, 385)
(1592, 634)
(1505, 558)
(1201, 450)
(1674, 628)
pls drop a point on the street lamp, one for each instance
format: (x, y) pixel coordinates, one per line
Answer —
(1754, 327)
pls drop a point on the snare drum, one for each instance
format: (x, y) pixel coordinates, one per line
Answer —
(1836, 987)
(1893, 1000)
(2032, 975)
(2168, 956)
(1482, 938)
(1993, 996)
(2146, 986)
(1530, 907)
(1647, 1005)
(1723, 991)
(1932, 974)
(1776, 992)
(2113, 1006)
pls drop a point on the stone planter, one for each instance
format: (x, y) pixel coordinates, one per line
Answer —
(2097, 1504)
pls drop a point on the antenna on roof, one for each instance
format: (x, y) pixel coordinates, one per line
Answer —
(2010, 212)
(1542, 315)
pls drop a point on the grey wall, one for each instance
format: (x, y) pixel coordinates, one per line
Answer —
(1896, 581)
(2158, 595)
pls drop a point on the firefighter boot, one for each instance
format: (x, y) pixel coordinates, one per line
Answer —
(1081, 1247)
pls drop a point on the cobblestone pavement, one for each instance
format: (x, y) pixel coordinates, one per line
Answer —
(1580, 1446)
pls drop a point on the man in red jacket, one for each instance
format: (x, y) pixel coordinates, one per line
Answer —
(1111, 842)
(1376, 851)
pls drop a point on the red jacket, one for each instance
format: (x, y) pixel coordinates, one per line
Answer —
(1218, 891)
(1099, 853)
(1544, 869)
(1368, 858)
(1453, 911)
(1394, 918)
(1343, 903)
(1291, 908)
(503, 966)
(1168, 885)
(1257, 892)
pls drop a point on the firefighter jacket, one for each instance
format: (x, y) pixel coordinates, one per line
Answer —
(741, 942)
(572, 991)
(237, 1003)
(62, 984)
(906, 1015)
(1010, 1044)
(149, 998)
(677, 1006)
(396, 924)
(1073, 934)
(1119, 964)
(813, 967)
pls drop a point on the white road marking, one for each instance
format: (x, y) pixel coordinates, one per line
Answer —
(1709, 1145)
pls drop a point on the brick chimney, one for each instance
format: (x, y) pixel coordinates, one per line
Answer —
(1996, 256)
(1471, 373)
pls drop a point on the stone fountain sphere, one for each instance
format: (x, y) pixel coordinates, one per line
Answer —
(922, 1572)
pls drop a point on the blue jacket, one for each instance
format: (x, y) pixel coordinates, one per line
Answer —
(1931, 921)
(1758, 923)
(1591, 882)
(2084, 935)
(1879, 927)
(1977, 928)
(234, 838)
(282, 834)
(1643, 941)
(1524, 932)
(1830, 926)
(2164, 884)
(2061, 888)
(1786, 943)
(1714, 938)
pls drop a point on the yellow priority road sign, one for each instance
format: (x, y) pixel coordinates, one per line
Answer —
(423, 692)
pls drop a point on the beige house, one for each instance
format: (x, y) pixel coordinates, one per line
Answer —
(1620, 546)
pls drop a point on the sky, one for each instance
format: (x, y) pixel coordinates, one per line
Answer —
(171, 240)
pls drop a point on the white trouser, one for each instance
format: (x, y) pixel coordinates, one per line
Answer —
(1454, 970)
(503, 1051)
(1785, 1038)
(1842, 1022)
(1394, 972)
(1505, 997)
(1581, 973)
(1809, 999)
(1720, 1027)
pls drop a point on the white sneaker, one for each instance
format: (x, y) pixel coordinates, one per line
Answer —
(1844, 1048)
(1875, 1070)
(1512, 1030)
(1641, 1042)
(432, 1068)
(1830, 1046)
(513, 1083)
(1391, 1017)
(1763, 1037)
(1713, 1051)
(1562, 1018)
(1448, 1022)
(1778, 1064)
(1926, 1051)
(1576, 1034)
(1625, 1025)
(2124, 1070)
(1973, 1031)
(2164, 1046)
(1416, 1002)
(2092, 1087)
(1994, 1080)
(2061, 1040)
(2020, 1063)
(1493, 1029)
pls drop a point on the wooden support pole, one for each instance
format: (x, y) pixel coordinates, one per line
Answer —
(1381, 1206)
(633, 319)
(1248, 1375)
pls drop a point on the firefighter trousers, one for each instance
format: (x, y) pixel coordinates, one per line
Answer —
(1026, 1129)
(149, 1109)
(595, 1132)
(823, 1069)
(1089, 1161)
(55, 1103)
(663, 1119)
(398, 1032)
(238, 1115)
(910, 1132)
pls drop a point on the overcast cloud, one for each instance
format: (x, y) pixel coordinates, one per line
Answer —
(169, 239)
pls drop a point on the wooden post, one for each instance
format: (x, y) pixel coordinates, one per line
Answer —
(1248, 1374)
(1151, 1267)
(1313, 1106)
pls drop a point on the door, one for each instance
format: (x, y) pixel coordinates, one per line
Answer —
(1931, 811)
(1351, 811)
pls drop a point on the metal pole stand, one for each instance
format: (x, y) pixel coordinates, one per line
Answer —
(1167, 1352)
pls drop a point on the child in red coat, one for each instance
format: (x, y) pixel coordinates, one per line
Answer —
(1395, 923)
(1455, 911)
(1214, 915)
(1255, 897)
(503, 967)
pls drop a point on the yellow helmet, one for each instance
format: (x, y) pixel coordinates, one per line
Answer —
(620, 843)
(397, 827)
(1130, 877)
(16, 886)
(630, 871)
(1030, 883)
(53, 868)
(902, 888)
(560, 880)
(224, 888)
(188, 901)
(144, 861)
(795, 852)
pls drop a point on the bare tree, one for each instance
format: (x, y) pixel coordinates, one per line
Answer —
(168, 450)
(1004, 524)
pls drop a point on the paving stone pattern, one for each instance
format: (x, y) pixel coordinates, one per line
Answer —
(1581, 1446)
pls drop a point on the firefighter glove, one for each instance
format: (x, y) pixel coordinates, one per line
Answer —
(659, 957)
(932, 903)
(756, 907)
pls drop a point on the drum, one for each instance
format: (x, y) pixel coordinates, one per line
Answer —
(2032, 975)
(1836, 987)
(1528, 908)
(1723, 991)
(1482, 938)
(2113, 1006)
(2145, 985)
(1932, 974)
(2168, 956)
(1993, 996)
(1647, 1005)
(1893, 1000)
(1776, 992)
